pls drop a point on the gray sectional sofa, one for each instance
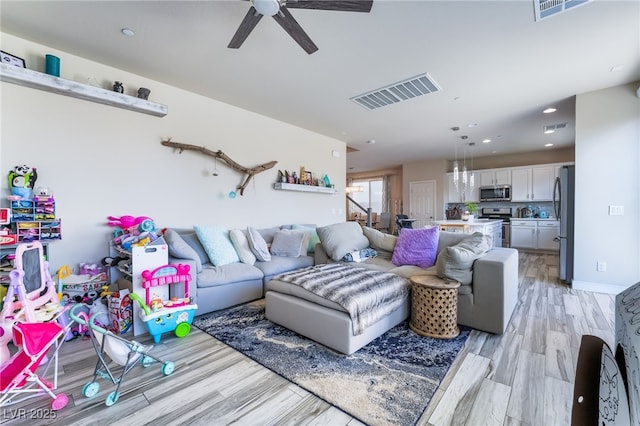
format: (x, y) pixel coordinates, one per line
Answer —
(486, 302)
(218, 287)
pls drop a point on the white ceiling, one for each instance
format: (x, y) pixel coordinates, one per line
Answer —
(496, 65)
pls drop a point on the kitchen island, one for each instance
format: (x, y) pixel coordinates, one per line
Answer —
(491, 227)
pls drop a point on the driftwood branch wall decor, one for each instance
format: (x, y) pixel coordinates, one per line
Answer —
(249, 171)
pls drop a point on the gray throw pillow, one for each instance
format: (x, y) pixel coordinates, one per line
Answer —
(456, 262)
(380, 240)
(179, 248)
(342, 238)
(289, 243)
(258, 245)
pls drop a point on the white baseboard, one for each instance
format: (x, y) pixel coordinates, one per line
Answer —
(598, 287)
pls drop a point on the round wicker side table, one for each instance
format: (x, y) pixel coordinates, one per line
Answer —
(434, 306)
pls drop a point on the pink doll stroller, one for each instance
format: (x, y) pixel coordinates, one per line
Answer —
(18, 375)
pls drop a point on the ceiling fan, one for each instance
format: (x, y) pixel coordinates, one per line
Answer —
(279, 10)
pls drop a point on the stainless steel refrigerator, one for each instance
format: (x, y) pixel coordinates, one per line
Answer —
(563, 205)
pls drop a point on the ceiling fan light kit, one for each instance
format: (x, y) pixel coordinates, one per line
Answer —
(278, 9)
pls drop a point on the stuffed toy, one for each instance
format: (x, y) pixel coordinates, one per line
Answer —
(21, 181)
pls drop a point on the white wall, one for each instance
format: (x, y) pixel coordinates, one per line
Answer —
(607, 173)
(101, 161)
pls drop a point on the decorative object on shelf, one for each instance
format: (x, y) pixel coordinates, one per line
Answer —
(52, 65)
(143, 93)
(41, 81)
(8, 58)
(250, 172)
(21, 180)
(303, 188)
(118, 87)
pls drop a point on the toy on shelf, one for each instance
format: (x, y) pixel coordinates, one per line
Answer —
(31, 296)
(160, 315)
(21, 181)
(133, 231)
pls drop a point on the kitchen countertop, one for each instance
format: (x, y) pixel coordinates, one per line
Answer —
(532, 218)
(478, 222)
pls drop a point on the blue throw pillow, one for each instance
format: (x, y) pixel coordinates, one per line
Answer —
(217, 244)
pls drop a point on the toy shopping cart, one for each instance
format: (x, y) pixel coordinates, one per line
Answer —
(19, 375)
(123, 352)
(159, 315)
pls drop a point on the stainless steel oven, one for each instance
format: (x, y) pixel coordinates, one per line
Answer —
(503, 214)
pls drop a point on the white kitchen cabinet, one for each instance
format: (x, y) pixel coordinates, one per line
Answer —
(532, 183)
(495, 177)
(535, 234)
(524, 234)
(548, 232)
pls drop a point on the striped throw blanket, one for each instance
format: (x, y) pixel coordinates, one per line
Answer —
(367, 295)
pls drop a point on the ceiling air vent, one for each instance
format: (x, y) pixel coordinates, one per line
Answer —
(553, 127)
(546, 8)
(402, 91)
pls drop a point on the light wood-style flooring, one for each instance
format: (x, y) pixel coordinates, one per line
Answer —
(524, 377)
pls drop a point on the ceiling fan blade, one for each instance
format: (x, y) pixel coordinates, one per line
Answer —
(294, 29)
(342, 6)
(247, 25)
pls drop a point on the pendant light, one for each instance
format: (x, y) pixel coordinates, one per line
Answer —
(472, 177)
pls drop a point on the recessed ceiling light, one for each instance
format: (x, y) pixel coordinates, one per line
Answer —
(616, 68)
(128, 32)
(371, 141)
(471, 125)
(548, 144)
(549, 131)
(486, 140)
(549, 110)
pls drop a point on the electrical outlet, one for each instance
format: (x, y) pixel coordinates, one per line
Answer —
(601, 266)
(616, 210)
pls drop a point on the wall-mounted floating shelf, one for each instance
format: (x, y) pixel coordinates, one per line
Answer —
(37, 80)
(303, 188)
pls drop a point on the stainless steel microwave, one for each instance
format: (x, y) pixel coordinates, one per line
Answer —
(495, 193)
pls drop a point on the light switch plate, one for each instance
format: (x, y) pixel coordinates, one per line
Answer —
(616, 210)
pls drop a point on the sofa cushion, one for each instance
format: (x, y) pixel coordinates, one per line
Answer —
(179, 248)
(379, 240)
(268, 233)
(280, 264)
(339, 239)
(229, 274)
(241, 244)
(258, 245)
(313, 236)
(192, 239)
(417, 247)
(289, 243)
(217, 244)
(456, 262)
(449, 238)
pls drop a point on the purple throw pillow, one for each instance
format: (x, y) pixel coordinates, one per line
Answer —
(417, 247)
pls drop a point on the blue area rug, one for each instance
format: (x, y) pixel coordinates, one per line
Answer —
(390, 381)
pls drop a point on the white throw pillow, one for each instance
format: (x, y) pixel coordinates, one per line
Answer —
(241, 243)
(258, 245)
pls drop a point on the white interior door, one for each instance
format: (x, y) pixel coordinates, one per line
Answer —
(422, 202)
